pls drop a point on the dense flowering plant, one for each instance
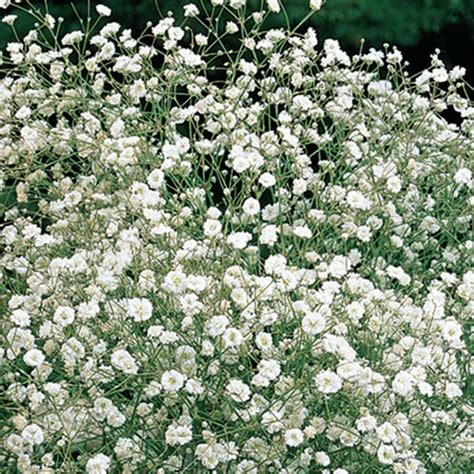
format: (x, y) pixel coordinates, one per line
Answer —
(245, 261)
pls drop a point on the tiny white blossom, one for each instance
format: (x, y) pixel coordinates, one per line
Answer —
(178, 435)
(122, 360)
(328, 382)
(294, 437)
(33, 434)
(274, 6)
(103, 10)
(34, 357)
(99, 464)
(315, 4)
(238, 390)
(172, 381)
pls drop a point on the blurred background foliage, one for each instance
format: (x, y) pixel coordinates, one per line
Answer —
(416, 26)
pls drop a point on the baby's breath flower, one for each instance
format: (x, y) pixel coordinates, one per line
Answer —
(34, 357)
(172, 381)
(194, 265)
(9, 19)
(99, 464)
(274, 6)
(294, 437)
(178, 435)
(315, 4)
(33, 434)
(191, 10)
(72, 38)
(328, 382)
(231, 27)
(103, 10)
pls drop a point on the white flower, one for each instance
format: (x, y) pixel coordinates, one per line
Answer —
(355, 311)
(313, 323)
(217, 325)
(399, 274)
(64, 316)
(212, 228)
(175, 33)
(267, 180)
(263, 341)
(102, 406)
(191, 10)
(451, 330)
(20, 318)
(403, 383)
(238, 390)
(366, 423)
(33, 434)
(194, 387)
(270, 369)
(231, 28)
(273, 6)
(99, 464)
(232, 337)
(175, 281)
(5, 3)
(207, 454)
(328, 382)
(440, 74)
(172, 381)
(357, 200)
(386, 454)
(322, 458)
(156, 179)
(269, 235)
(299, 186)
(178, 435)
(237, 3)
(251, 207)
(339, 266)
(394, 184)
(349, 370)
(386, 432)
(140, 309)
(201, 40)
(302, 231)
(275, 264)
(452, 391)
(457, 73)
(463, 176)
(239, 240)
(103, 10)
(122, 360)
(34, 358)
(315, 4)
(294, 437)
(72, 38)
(23, 113)
(9, 19)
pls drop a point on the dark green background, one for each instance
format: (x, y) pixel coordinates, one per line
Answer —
(417, 26)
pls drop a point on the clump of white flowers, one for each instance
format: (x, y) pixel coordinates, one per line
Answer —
(242, 261)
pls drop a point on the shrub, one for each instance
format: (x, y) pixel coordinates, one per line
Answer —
(243, 261)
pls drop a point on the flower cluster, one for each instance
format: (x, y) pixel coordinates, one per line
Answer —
(244, 261)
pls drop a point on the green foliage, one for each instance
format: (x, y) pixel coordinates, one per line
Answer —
(401, 22)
